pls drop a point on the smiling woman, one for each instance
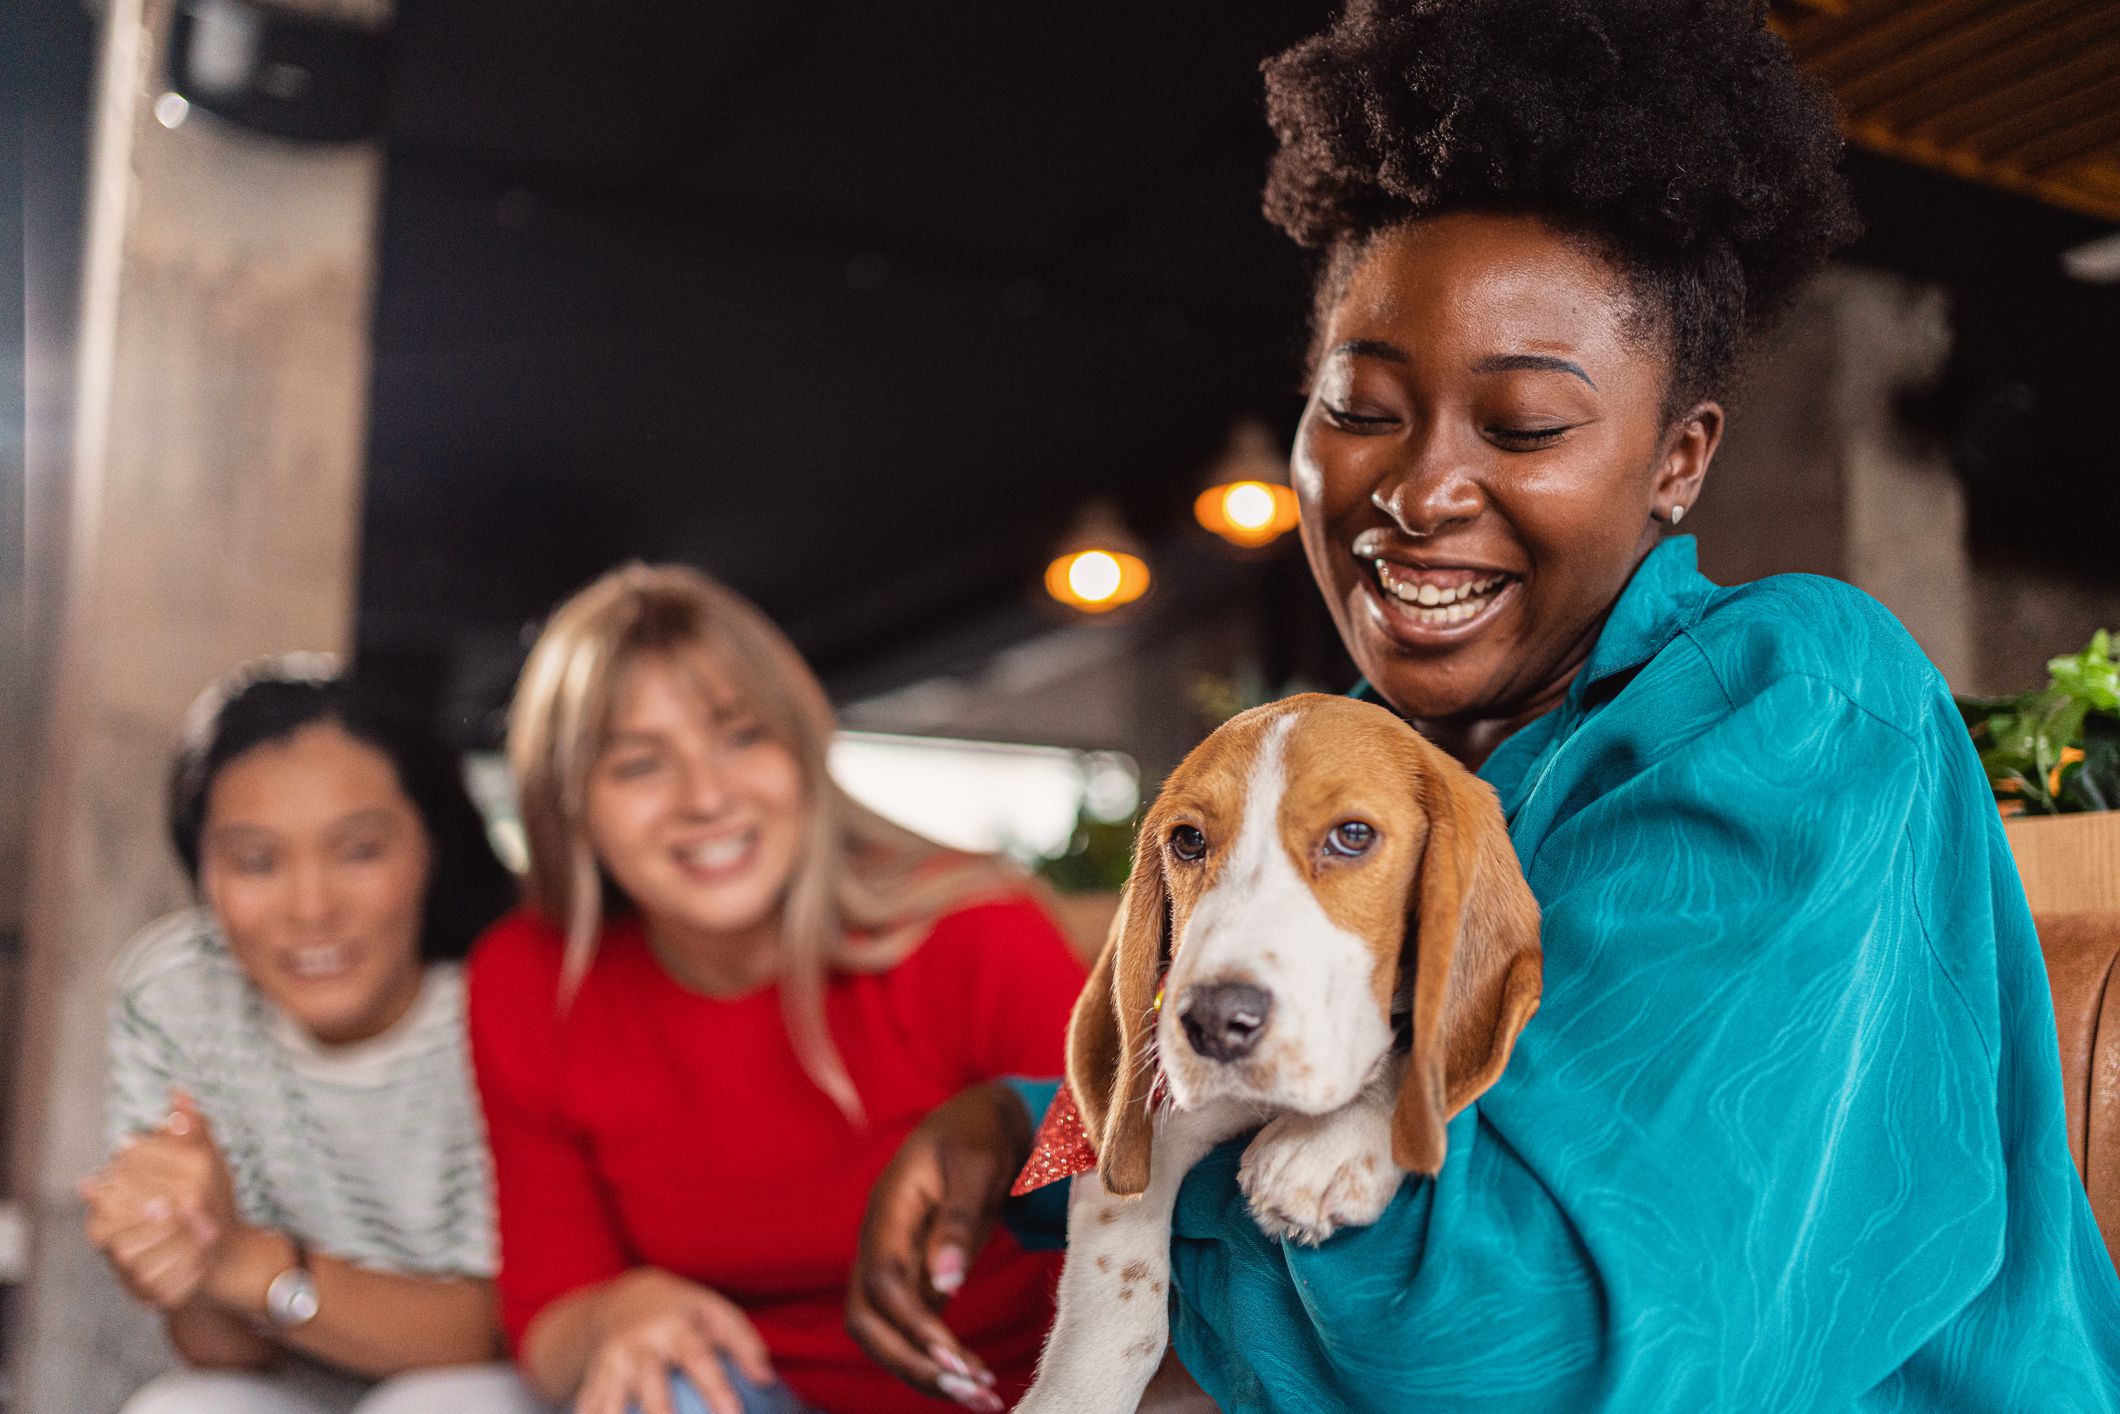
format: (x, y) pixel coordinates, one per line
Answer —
(1787, 1131)
(1534, 291)
(1483, 463)
(735, 990)
(265, 868)
(297, 1160)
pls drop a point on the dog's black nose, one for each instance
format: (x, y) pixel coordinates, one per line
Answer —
(1224, 1020)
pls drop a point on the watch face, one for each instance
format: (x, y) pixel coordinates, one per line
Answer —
(302, 1301)
(292, 1298)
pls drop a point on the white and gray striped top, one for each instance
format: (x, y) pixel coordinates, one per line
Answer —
(374, 1153)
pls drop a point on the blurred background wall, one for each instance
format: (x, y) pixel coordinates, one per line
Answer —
(863, 308)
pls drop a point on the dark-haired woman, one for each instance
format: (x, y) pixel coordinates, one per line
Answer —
(1787, 1132)
(298, 1179)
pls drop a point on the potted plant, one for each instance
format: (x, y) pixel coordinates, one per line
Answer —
(2053, 758)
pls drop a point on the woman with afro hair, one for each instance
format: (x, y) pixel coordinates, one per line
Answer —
(1788, 1131)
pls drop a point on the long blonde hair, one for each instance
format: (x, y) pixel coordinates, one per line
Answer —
(864, 891)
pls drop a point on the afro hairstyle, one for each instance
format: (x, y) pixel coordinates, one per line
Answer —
(1676, 136)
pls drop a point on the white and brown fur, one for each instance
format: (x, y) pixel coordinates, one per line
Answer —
(1431, 929)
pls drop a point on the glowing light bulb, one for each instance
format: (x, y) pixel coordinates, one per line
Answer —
(1094, 576)
(1248, 501)
(1248, 505)
(1097, 581)
(1247, 514)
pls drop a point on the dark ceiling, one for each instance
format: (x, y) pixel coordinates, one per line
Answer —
(857, 304)
(853, 304)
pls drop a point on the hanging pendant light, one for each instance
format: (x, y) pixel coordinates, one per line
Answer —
(1099, 567)
(1248, 501)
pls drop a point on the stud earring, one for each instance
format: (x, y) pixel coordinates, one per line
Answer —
(1678, 513)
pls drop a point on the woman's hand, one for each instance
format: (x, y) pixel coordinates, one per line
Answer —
(648, 1324)
(929, 1214)
(162, 1210)
(181, 1163)
(159, 1257)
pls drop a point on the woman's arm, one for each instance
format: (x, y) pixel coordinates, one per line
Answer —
(943, 1189)
(163, 1213)
(162, 1257)
(990, 991)
(210, 1338)
(370, 1322)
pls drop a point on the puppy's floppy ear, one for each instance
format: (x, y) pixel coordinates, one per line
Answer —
(1111, 1036)
(1472, 942)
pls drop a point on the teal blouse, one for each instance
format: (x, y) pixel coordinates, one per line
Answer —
(1787, 1131)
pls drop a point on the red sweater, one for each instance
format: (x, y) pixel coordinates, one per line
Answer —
(651, 1126)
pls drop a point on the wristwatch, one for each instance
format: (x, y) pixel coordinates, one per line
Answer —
(291, 1300)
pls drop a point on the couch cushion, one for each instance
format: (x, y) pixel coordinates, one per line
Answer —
(2083, 968)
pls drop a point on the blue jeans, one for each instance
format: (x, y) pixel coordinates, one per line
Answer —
(757, 1398)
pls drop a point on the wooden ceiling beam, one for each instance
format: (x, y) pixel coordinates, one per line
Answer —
(2008, 136)
(2099, 184)
(1999, 75)
(2093, 197)
(1977, 43)
(2019, 94)
(1997, 128)
(2096, 135)
(1836, 50)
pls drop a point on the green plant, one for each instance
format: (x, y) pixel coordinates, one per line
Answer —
(2057, 750)
(1216, 697)
(1097, 857)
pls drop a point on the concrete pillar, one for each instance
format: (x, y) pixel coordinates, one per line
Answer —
(1905, 538)
(2029, 614)
(220, 410)
(1818, 474)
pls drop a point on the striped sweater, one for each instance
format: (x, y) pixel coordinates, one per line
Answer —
(374, 1153)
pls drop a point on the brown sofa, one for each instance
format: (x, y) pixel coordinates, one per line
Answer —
(2083, 968)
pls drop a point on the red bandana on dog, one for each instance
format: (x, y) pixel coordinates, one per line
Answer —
(1061, 1150)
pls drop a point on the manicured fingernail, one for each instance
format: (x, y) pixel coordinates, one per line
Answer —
(969, 1394)
(179, 1122)
(948, 1273)
(949, 1360)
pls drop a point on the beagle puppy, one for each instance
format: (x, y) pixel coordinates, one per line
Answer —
(1326, 937)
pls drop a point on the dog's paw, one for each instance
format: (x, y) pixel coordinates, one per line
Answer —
(1308, 1176)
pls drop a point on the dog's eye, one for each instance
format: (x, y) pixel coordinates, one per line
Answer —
(1187, 843)
(1350, 837)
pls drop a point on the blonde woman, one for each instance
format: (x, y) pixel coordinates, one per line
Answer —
(734, 991)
